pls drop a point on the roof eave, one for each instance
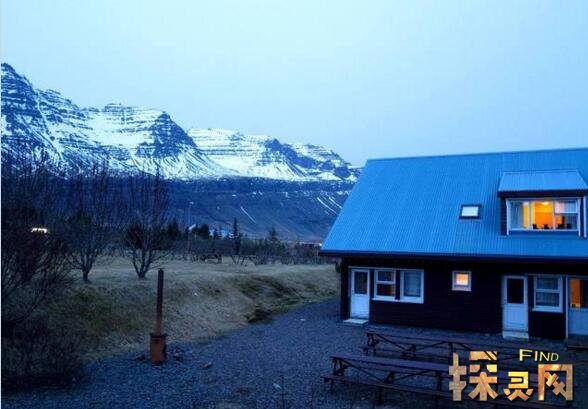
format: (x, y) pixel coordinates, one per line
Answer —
(455, 256)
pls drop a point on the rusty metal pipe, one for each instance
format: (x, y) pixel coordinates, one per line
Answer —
(159, 306)
(158, 340)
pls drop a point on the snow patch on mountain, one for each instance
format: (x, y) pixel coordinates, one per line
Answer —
(266, 157)
(134, 139)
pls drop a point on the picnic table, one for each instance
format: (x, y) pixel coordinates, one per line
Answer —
(392, 374)
(438, 348)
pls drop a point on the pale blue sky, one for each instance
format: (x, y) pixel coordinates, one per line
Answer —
(366, 78)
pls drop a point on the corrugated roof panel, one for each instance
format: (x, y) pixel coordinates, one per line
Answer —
(547, 180)
(412, 205)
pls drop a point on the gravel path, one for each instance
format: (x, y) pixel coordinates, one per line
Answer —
(272, 365)
(260, 366)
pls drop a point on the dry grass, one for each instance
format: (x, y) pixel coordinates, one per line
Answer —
(201, 300)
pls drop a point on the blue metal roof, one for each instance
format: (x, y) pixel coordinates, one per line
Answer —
(543, 180)
(411, 206)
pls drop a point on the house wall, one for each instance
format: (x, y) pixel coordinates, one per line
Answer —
(547, 324)
(479, 310)
(344, 310)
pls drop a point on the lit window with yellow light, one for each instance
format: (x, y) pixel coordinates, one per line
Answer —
(462, 281)
(543, 215)
(578, 293)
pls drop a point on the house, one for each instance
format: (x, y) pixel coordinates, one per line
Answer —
(494, 243)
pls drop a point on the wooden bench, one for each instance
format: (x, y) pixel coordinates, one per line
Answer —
(385, 373)
(437, 348)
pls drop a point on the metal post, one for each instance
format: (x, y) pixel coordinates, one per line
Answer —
(157, 346)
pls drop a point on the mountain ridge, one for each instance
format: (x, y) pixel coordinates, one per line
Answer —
(130, 139)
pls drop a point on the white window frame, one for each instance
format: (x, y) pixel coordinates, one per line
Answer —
(377, 281)
(545, 308)
(456, 287)
(509, 203)
(399, 286)
(410, 299)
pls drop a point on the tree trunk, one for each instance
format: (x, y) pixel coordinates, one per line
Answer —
(85, 274)
(142, 272)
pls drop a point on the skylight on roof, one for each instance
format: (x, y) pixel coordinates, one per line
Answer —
(470, 211)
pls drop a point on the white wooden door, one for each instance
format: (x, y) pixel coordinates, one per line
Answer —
(578, 306)
(360, 293)
(514, 304)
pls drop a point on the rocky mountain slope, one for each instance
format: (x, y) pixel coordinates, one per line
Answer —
(216, 174)
(132, 138)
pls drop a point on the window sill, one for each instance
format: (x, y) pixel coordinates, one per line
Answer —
(463, 290)
(382, 298)
(413, 301)
(545, 231)
(405, 301)
(557, 310)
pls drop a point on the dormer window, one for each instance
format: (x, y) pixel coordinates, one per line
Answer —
(545, 214)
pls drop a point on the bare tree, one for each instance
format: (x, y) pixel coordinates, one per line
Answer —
(94, 215)
(34, 253)
(148, 207)
(41, 341)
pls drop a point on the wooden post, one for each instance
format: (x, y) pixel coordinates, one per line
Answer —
(157, 345)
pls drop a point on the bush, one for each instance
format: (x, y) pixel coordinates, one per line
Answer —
(41, 342)
(47, 349)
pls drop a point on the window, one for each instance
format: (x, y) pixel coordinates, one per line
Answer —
(548, 294)
(515, 290)
(470, 212)
(579, 293)
(385, 284)
(410, 288)
(360, 282)
(543, 215)
(462, 281)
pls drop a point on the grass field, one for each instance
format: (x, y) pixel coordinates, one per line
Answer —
(201, 300)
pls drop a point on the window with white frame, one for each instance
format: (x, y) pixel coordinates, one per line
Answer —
(548, 293)
(462, 281)
(411, 286)
(544, 214)
(385, 286)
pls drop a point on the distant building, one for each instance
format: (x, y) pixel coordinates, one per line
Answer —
(40, 230)
(491, 242)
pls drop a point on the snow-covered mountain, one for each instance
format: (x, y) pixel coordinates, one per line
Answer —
(132, 139)
(266, 157)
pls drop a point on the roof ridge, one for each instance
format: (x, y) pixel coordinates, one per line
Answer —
(450, 155)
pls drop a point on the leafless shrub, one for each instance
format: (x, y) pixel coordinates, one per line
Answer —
(146, 239)
(34, 260)
(36, 345)
(94, 216)
(45, 349)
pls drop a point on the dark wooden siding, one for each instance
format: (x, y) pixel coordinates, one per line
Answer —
(344, 310)
(479, 310)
